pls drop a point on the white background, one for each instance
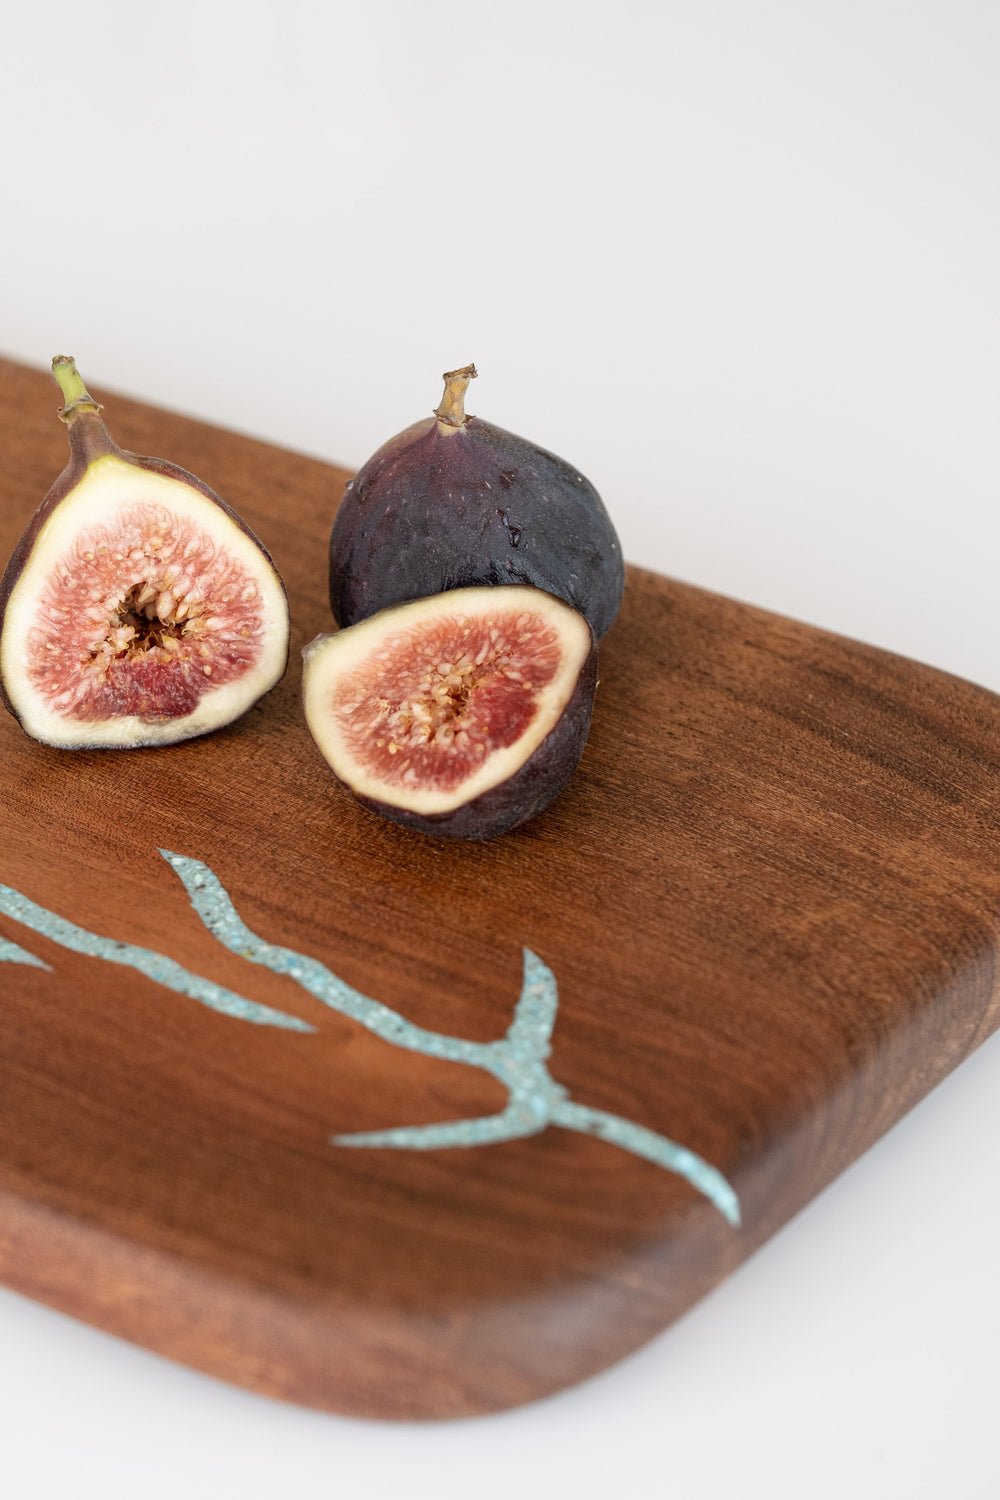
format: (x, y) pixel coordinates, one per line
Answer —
(738, 262)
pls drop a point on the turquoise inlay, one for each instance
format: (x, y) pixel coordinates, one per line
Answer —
(10, 953)
(163, 970)
(518, 1059)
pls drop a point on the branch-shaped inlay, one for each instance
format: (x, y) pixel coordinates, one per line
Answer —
(518, 1059)
(10, 953)
(163, 970)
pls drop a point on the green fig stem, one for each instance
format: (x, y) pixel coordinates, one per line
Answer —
(89, 439)
(76, 397)
(451, 412)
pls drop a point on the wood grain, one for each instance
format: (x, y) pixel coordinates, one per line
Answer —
(770, 896)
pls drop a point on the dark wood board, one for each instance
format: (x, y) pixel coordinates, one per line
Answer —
(770, 898)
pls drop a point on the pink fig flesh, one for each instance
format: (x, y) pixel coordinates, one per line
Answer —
(141, 619)
(137, 608)
(462, 714)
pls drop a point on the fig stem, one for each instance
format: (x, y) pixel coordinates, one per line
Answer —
(76, 397)
(452, 409)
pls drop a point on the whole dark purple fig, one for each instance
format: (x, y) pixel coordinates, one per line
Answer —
(454, 502)
(460, 715)
(137, 608)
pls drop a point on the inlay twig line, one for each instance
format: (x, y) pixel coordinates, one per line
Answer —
(518, 1059)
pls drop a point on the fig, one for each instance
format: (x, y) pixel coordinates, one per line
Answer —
(460, 715)
(454, 502)
(137, 608)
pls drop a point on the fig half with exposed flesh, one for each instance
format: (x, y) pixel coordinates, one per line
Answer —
(460, 715)
(454, 501)
(137, 609)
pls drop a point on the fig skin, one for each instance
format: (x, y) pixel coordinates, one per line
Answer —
(90, 443)
(534, 780)
(454, 502)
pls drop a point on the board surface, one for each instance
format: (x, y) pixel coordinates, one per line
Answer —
(770, 900)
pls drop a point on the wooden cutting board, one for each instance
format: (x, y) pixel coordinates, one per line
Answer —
(763, 919)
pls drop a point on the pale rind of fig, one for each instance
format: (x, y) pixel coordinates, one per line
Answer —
(117, 539)
(462, 714)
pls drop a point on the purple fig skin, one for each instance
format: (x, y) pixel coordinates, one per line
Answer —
(89, 440)
(528, 791)
(439, 508)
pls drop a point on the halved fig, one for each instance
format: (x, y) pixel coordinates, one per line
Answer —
(455, 501)
(137, 608)
(460, 715)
